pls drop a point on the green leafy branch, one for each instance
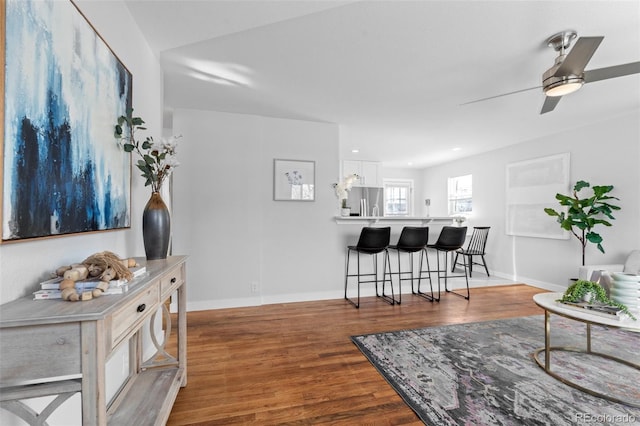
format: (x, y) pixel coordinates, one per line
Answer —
(583, 214)
(156, 161)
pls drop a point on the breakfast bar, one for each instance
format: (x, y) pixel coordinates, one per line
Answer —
(350, 226)
(394, 220)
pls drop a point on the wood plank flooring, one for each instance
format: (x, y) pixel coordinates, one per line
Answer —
(295, 364)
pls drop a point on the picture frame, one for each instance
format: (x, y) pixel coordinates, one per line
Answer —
(63, 90)
(532, 185)
(294, 180)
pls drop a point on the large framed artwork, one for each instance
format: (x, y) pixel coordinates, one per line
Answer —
(294, 180)
(62, 170)
(532, 185)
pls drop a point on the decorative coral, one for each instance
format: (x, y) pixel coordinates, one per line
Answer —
(107, 266)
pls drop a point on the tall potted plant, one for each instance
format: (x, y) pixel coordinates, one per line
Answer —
(584, 214)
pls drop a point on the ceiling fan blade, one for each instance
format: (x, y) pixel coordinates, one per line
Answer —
(611, 72)
(503, 94)
(550, 103)
(579, 56)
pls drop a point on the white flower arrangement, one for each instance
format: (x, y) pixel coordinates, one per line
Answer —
(343, 188)
(459, 219)
(157, 160)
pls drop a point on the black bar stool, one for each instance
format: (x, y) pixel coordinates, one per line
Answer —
(413, 240)
(451, 238)
(372, 241)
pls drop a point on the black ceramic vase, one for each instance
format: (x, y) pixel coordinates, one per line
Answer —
(156, 228)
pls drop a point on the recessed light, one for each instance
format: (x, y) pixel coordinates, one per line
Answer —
(456, 149)
(409, 163)
(355, 151)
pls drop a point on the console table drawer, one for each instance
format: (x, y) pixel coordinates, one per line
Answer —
(128, 318)
(53, 350)
(169, 282)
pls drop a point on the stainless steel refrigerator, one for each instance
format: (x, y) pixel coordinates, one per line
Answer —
(366, 201)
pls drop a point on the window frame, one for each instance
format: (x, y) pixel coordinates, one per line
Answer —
(407, 184)
(455, 196)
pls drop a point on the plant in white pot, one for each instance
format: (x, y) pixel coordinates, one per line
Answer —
(592, 292)
(584, 214)
(342, 192)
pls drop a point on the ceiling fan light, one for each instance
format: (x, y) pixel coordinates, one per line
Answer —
(560, 86)
(564, 88)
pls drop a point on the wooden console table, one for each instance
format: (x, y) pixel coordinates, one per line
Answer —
(55, 347)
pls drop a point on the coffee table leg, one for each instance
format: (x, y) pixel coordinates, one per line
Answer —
(547, 341)
(588, 337)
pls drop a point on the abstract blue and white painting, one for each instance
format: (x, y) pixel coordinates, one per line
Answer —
(64, 90)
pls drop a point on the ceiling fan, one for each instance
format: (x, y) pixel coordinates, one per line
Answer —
(567, 73)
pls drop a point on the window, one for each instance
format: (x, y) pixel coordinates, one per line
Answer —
(460, 200)
(398, 197)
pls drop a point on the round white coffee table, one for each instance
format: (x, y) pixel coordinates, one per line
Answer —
(548, 302)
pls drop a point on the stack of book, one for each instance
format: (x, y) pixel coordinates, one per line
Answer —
(597, 308)
(50, 289)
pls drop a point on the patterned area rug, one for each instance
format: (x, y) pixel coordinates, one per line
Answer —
(484, 373)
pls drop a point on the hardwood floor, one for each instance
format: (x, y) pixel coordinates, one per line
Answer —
(295, 363)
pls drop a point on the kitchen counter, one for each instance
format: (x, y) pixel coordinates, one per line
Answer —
(393, 220)
(349, 229)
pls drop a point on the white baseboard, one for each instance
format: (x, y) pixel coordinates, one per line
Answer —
(479, 280)
(532, 282)
(205, 305)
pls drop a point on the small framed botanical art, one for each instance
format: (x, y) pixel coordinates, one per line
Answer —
(294, 180)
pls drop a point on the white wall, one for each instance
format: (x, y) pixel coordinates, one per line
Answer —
(226, 220)
(604, 153)
(24, 264)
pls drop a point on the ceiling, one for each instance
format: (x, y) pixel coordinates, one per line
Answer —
(396, 75)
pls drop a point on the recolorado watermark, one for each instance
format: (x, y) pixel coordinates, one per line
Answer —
(606, 418)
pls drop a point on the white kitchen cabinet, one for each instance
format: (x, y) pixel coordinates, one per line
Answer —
(370, 172)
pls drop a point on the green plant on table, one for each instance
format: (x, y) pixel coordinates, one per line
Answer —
(583, 214)
(581, 288)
